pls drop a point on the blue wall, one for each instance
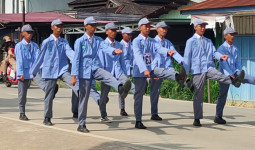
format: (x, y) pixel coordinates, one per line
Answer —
(246, 46)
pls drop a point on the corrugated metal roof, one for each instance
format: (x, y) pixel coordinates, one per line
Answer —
(212, 4)
(44, 17)
(38, 17)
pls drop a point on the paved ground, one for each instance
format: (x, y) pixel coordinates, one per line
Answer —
(174, 132)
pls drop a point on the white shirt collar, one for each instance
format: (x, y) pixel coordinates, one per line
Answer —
(27, 42)
(125, 43)
(198, 36)
(144, 38)
(229, 46)
(89, 36)
(110, 40)
(55, 38)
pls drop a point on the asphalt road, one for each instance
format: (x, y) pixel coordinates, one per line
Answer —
(174, 132)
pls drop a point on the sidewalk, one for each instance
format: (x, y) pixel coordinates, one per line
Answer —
(174, 132)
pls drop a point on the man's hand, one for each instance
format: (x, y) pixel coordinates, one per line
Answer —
(73, 80)
(118, 51)
(21, 78)
(156, 78)
(147, 73)
(171, 52)
(224, 57)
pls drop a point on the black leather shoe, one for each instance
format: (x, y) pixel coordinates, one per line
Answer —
(123, 112)
(82, 128)
(139, 125)
(156, 117)
(197, 123)
(75, 115)
(219, 120)
(238, 79)
(124, 89)
(23, 117)
(47, 122)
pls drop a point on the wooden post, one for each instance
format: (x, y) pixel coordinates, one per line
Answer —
(208, 91)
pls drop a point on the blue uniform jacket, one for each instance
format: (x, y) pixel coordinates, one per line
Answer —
(128, 57)
(86, 59)
(146, 55)
(112, 63)
(198, 58)
(25, 59)
(233, 63)
(53, 58)
(166, 62)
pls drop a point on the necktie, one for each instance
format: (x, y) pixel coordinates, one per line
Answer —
(163, 42)
(112, 44)
(29, 47)
(202, 41)
(90, 40)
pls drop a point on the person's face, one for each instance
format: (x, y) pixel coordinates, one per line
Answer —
(27, 35)
(230, 37)
(111, 33)
(127, 36)
(91, 28)
(57, 29)
(145, 29)
(200, 29)
(162, 31)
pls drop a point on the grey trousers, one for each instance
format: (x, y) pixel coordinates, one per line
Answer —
(22, 94)
(199, 82)
(50, 85)
(93, 93)
(154, 95)
(106, 78)
(140, 83)
(84, 87)
(105, 89)
(123, 78)
(221, 101)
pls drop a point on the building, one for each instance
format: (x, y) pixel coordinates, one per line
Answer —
(240, 15)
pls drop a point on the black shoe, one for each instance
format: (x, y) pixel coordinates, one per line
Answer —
(139, 125)
(156, 117)
(23, 117)
(180, 76)
(238, 79)
(124, 89)
(123, 112)
(75, 115)
(56, 91)
(47, 122)
(189, 84)
(219, 120)
(197, 123)
(82, 128)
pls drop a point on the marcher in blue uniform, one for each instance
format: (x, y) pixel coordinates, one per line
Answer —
(199, 60)
(231, 66)
(166, 62)
(53, 60)
(26, 52)
(128, 61)
(113, 63)
(146, 59)
(86, 66)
